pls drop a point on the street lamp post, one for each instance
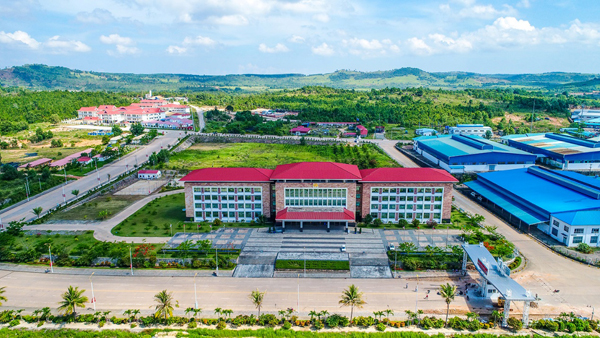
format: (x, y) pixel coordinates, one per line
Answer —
(195, 294)
(593, 310)
(304, 262)
(50, 253)
(130, 261)
(65, 195)
(217, 258)
(27, 186)
(92, 285)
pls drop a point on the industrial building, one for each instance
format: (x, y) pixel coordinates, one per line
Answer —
(425, 132)
(584, 115)
(565, 205)
(459, 154)
(558, 150)
(318, 194)
(469, 129)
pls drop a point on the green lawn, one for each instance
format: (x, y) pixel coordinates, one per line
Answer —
(259, 155)
(458, 219)
(91, 210)
(14, 191)
(312, 265)
(155, 217)
(81, 171)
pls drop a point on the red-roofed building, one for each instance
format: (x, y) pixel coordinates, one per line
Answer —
(149, 174)
(84, 160)
(300, 131)
(363, 132)
(322, 194)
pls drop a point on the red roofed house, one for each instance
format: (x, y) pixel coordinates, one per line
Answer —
(41, 162)
(149, 174)
(300, 131)
(362, 130)
(322, 194)
(84, 160)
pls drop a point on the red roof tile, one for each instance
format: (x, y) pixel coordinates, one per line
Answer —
(84, 159)
(346, 215)
(316, 171)
(228, 175)
(148, 172)
(406, 175)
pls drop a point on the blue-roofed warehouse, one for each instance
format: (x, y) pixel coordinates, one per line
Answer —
(565, 205)
(558, 150)
(459, 154)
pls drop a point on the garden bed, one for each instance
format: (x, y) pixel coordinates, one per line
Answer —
(297, 264)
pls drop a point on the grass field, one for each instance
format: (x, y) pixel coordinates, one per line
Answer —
(259, 155)
(458, 221)
(155, 218)
(90, 210)
(81, 171)
(14, 191)
(312, 265)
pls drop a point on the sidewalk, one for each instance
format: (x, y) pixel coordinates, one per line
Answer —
(113, 271)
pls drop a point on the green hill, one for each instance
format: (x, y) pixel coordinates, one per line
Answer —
(42, 77)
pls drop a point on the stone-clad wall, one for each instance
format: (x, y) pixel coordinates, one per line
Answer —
(189, 194)
(280, 193)
(446, 203)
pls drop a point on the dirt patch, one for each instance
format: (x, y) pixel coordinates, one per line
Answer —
(509, 117)
(207, 147)
(86, 143)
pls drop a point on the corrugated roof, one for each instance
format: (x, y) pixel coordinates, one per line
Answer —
(583, 217)
(148, 172)
(35, 163)
(228, 175)
(316, 171)
(345, 215)
(458, 145)
(406, 175)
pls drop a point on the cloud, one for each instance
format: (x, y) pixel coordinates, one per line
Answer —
(296, 39)
(123, 45)
(323, 50)
(229, 20)
(200, 41)
(469, 9)
(321, 17)
(524, 3)
(19, 37)
(176, 50)
(63, 46)
(97, 16)
(279, 48)
(443, 42)
(370, 48)
(418, 46)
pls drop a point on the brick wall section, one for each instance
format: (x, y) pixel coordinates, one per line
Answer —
(189, 194)
(446, 203)
(280, 193)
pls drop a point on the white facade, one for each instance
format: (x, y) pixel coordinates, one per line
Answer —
(584, 115)
(392, 204)
(134, 117)
(572, 235)
(315, 197)
(229, 204)
(425, 132)
(149, 175)
(469, 129)
(470, 168)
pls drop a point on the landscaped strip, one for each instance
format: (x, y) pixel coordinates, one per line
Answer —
(297, 264)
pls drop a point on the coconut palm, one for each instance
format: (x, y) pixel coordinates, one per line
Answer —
(164, 307)
(495, 317)
(134, 313)
(257, 298)
(353, 298)
(37, 211)
(227, 313)
(72, 299)
(448, 292)
(2, 298)
(313, 314)
(323, 314)
(388, 313)
(218, 312)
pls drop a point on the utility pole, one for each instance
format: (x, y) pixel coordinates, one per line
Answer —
(304, 255)
(217, 258)
(532, 115)
(65, 195)
(130, 261)
(195, 294)
(50, 253)
(92, 285)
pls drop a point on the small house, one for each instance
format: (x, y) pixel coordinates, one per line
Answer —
(149, 174)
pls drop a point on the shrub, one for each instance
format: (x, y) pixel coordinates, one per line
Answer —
(287, 325)
(14, 323)
(192, 325)
(585, 248)
(101, 324)
(475, 325)
(516, 324)
(319, 324)
(380, 327)
(221, 325)
(133, 325)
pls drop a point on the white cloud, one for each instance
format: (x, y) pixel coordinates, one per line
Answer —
(470, 9)
(121, 49)
(321, 17)
(296, 39)
(185, 17)
(229, 20)
(418, 46)
(176, 50)
(115, 39)
(63, 46)
(19, 37)
(323, 49)
(199, 40)
(279, 48)
(524, 4)
(444, 42)
(513, 23)
(97, 16)
(370, 48)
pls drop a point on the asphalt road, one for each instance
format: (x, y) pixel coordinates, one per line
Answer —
(200, 113)
(51, 199)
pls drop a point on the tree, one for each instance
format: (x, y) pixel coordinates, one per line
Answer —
(476, 220)
(103, 214)
(54, 119)
(218, 312)
(407, 247)
(105, 139)
(514, 323)
(388, 313)
(377, 222)
(75, 192)
(227, 313)
(353, 298)
(164, 307)
(403, 223)
(368, 219)
(257, 298)
(416, 223)
(495, 317)
(2, 298)
(116, 130)
(72, 299)
(37, 211)
(56, 143)
(448, 292)
(136, 129)
(488, 134)
(229, 108)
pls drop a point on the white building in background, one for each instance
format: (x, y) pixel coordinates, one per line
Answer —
(469, 129)
(584, 115)
(149, 174)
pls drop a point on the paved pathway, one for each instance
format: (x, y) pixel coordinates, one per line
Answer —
(422, 238)
(222, 238)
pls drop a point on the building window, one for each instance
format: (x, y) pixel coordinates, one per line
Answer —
(554, 232)
(316, 197)
(595, 230)
(555, 223)
(578, 231)
(594, 240)
(566, 228)
(577, 239)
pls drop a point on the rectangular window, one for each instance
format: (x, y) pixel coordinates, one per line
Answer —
(257, 197)
(197, 197)
(232, 190)
(248, 198)
(428, 190)
(421, 190)
(392, 198)
(411, 190)
(385, 198)
(374, 198)
(249, 214)
(197, 189)
(214, 189)
(232, 215)
(393, 191)
(215, 214)
(555, 223)
(427, 198)
(595, 230)
(577, 239)
(384, 215)
(566, 228)
(578, 231)
(403, 190)
(554, 231)
(215, 206)
(594, 240)
(439, 190)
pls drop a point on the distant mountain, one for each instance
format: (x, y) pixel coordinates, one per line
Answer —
(43, 77)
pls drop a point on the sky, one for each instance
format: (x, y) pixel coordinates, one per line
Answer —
(302, 36)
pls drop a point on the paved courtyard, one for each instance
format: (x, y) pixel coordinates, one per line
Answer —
(224, 238)
(422, 238)
(142, 187)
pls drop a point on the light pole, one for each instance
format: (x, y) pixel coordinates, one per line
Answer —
(65, 195)
(195, 294)
(130, 261)
(40, 182)
(593, 310)
(304, 262)
(395, 260)
(417, 296)
(97, 173)
(92, 285)
(217, 258)
(27, 187)
(50, 253)
(171, 226)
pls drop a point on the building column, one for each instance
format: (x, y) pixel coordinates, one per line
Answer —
(301, 226)
(506, 313)
(328, 226)
(283, 226)
(464, 262)
(483, 287)
(526, 313)
(346, 226)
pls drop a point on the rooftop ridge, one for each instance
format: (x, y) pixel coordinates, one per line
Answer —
(566, 181)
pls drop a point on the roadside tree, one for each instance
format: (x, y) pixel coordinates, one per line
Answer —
(353, 298)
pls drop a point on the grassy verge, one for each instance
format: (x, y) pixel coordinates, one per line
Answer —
(14, 191)
(113, 204)
(312, 265)
(155, 218)
(260, 155)
(459, 221)
(81, 171)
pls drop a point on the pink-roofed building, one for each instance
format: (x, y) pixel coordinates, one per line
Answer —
(362, 131)
(300, 131)
(175, 108)
(39, 163)
(59, 164)
(318, 194)
(149, 174)
(84, 160)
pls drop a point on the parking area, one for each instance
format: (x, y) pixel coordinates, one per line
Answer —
(142, 187)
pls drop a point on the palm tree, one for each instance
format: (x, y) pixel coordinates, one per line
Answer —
(313, 314)
(37, 211)
(471, 316)
(2, 298)
(257, 298)
(134, 313)
(72, 299)
(218, 312)
(353, 298)
(323, 313)
(128, 314)
(75, 192)
(227, 313)
(448, 292)
(164, 308)
(188, 310)
(378, 314)
(388, 313)
(495, 317)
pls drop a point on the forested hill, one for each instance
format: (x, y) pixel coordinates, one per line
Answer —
(42, 77)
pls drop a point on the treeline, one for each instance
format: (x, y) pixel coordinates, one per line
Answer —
(19, 108)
